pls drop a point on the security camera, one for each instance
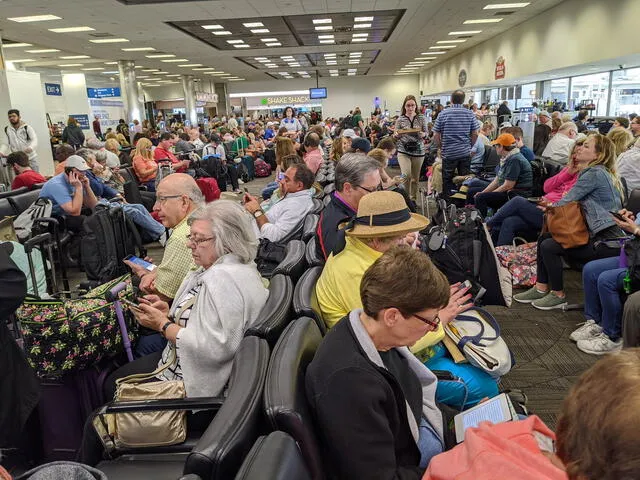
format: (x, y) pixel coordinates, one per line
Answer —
(621, 67)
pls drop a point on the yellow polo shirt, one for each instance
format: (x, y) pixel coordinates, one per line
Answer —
(338, 288)
(176, 262)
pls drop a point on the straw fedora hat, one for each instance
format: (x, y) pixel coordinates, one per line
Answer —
(385, 214)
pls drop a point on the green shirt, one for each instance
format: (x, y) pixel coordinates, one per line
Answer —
(240, 143)
(356, 119)
(177, 261)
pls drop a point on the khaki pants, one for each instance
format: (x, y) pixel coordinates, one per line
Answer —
(410, 166)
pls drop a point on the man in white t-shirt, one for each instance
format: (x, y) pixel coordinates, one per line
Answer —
(560, 145)
(21, 138)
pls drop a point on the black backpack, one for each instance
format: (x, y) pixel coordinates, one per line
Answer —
(108, 236)
(216, 168)
(347, 122)
(539, 172)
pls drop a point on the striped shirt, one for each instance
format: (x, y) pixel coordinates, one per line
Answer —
(411, 143)
(456, 124)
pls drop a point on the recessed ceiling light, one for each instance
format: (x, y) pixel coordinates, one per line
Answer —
(351, 74)
(232, 42)
(235, 79)
(260, 59)
(499, 6)
(361, 25)
(324, 28)
(175, 60)
(356, 40)
(352, 70)
(325, 37)
(71, 29)
(417, 63)
(16, 45)
(451, 41)
(363, 19)
(218, 74)
(114, 63)
(222, 32)
(270, 65)
(74, 57)
(332, 62)
(173, 75)
(34, 18)
(242, 45)
(71, 65)
(482, 20)
(110, 63)
(273, 44)
(159, 73)
(213, 27)
(150, 69)
(360, 35)
(268, 40)
(354, 61)
(160, 55)
(260, 30)
(302, 72)
(138, 49)
(253, 25)
(150, 85)
(355, 54)
(142, 76)
(320, 21)
(466, 32)
(442, 46)
(203, 69)
(192, 65)
(114, 72)
(327, 41)
(109, 40)
(44, 50)
(294, 64)
(334, 74)
(93, 68)
(437, 53)
(330, 55)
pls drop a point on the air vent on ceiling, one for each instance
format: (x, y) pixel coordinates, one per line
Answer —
(343, 42)
(343, 29)
(464, 36)
(502, 14)
(101, 35)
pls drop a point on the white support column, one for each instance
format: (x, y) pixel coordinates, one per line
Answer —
(188, 85)
(129, 91)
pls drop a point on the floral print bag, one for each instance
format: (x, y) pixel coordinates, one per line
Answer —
(61, 336)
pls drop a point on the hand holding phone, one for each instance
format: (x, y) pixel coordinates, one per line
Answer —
(619, 216)
(130, 303)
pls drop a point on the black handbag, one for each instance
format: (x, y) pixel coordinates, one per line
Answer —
(269, 256)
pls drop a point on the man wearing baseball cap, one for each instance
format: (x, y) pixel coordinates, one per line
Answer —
(70, 192)
(514, 177)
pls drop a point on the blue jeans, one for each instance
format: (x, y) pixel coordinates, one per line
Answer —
(143, 219)
(602, 280)
(516, 215)
(429, 443)
(148, 344)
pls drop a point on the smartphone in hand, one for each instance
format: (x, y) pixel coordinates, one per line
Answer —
(620, 217)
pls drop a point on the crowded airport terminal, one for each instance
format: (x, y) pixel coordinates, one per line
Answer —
(319, 240)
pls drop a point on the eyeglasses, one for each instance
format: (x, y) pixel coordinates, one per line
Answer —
(377, 189)
(197, 241)
(163, 199)
(432, 323)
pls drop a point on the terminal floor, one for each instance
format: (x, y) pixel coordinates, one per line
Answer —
(547, 362)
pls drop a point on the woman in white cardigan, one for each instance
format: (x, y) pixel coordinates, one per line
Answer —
(213, 308)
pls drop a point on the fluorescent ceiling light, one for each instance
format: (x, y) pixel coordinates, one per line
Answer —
(355, 54)
(320, 21)
(158, 73)
(175, 60)
(222, 32)
(499, 6)
(76, 57)
(325, 37)
(138, 49)
(351, 74)
(203, 69)
(330, 55)
(114, 72)
(114, 63)
(150, 70)
(356, 40)
(451, 41)
(352, 70)
(357, 35)
(354, 61)
(44, 50)
(22, 60)
(218, 74)
(324, 28)
(192, 65)
(232, 42)
(363, 19)
(274, 44)
(68, 64)
(260, 59)
(437, 53)
(482, 20)
(332, 62)
(260, 30)
(142, 76)
(466, 32)
(174, 75)
(109, 40)
(235, 79)
(93, 68)
(16, 45)
(287, 57)
(361, 25)
(302, 72)
(327, 41)
(442, 46)
(271, 65)
(213, 27)
(294, 64)
(34, 18)
(160, 55)
(109, 63)
(253, 25)
(334, 74)
(242, 45)
(267, 40)
(71, 29)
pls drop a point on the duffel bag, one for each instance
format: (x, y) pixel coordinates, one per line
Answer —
(61, 336)
(520, 260)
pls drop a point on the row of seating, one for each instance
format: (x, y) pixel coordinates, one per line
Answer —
(14, 205)
(18, 191)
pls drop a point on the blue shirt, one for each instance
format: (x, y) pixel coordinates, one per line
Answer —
(269, 134)
(456, 124)
(99, 188)
(477, 160)
(527, 153)
(517, 169)
(59, 191)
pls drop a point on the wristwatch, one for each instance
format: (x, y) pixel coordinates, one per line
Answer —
(163, 332)
(258, 213)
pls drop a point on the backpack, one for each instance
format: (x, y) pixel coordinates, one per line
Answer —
(209, 188)
(243, 172)
(26, 132)
(347, 122)
(23, 224)
(539, 171)
(262, 168)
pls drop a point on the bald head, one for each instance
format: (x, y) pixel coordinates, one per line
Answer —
(177, 196)
(181, 183)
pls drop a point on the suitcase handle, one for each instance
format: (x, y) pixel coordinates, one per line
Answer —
(112, 296)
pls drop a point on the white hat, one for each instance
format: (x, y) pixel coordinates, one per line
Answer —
(544, 113)
(76, 161)
(112, 160)
(349, 132)
(505, 125)
(270, 124)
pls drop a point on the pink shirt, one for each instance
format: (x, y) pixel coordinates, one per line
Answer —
(557, 186)
(313, 159)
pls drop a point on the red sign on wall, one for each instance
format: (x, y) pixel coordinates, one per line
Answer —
(500, 68)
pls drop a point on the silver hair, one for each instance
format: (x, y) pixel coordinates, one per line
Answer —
(94, 144)
(231, 229)
(353, 167)
(101, 156)
(85, 153)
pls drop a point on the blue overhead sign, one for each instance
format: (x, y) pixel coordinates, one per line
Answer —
(103, 92)
(53, 89)
(83, 121)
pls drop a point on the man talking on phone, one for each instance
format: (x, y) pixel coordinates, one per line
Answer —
(70, 193)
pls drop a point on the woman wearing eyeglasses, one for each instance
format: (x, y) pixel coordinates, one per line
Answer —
(374, 402)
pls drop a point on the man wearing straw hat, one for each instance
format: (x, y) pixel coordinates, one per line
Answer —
(383, 221)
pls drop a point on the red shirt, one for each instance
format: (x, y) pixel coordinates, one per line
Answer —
(160, 154)
(27, 179)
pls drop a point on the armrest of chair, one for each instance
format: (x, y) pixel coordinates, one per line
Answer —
(196, 403)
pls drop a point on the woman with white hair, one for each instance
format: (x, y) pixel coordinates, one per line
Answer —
(212, 309)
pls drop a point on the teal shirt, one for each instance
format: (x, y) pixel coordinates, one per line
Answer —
(19, 257)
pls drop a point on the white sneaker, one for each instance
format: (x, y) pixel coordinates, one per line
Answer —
(599, 345)
(240, 182)
(589, 329)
